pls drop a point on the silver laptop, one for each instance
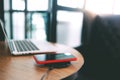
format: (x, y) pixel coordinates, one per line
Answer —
(20, 47)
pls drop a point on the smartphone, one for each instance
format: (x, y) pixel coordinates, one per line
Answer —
(54, 58)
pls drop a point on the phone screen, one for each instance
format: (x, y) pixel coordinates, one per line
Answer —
(60, 56)
(54, 58)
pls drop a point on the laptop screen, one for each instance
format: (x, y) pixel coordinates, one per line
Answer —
(2, 36)
(4, 30)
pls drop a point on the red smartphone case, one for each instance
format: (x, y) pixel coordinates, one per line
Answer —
(53, 61)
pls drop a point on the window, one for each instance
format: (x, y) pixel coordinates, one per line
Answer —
(69, 22)
(37, 29)
(18, 5)
(44, 19)
(18, 25)
(69, 27)
(103, 6)
(26, 19)
(40, 5)
(71, 3)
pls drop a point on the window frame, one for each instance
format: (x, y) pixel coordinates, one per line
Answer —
(25, 11)
(52, 15)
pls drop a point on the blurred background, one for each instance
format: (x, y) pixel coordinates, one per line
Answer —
(52, 20)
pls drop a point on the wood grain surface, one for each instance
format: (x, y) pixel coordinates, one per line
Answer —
(25, 68)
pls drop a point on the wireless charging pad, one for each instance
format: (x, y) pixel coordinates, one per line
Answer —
(58, 65)
(55, 65)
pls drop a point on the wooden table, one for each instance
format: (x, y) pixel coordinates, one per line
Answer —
(25, 68)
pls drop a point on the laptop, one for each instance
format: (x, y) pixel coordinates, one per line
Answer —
(22, 47)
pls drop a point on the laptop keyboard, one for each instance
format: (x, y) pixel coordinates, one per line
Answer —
(25, 45)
